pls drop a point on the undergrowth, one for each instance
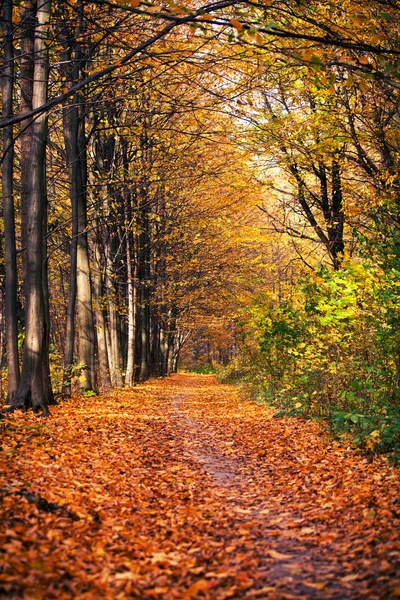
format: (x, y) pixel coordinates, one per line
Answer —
(331, 352)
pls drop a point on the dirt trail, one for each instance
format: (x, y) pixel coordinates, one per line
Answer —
(180, 489)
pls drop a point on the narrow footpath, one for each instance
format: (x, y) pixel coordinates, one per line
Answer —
(181, 489)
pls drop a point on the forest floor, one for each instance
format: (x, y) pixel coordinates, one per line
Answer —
(181, 489)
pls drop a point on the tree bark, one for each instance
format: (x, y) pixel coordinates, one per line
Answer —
(86, 334)
(104, 376)
(84, 292)
(48, 390)
(70, 130)
(115, 357)
(80, 295)
(11, 275)
(144, 286)
(144, 274)
(31, 389)
(131, 292)
(28, 18)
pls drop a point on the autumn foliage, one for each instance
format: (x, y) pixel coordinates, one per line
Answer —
(204, 187)
(181, 489)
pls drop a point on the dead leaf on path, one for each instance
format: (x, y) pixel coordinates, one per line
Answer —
(260, 593)
(279, 555)
(351, 577)
(128, 576)
(314, 586)
(199, 586)
(154, 526)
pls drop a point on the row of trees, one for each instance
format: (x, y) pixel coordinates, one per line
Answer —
(322, 340)
(147, 134)
(112, 229)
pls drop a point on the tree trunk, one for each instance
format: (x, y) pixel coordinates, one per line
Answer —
(115, 358)
(163, 351)
(31, 390)
(28, 18)
(70, 130)
(144, 287)
(336, 225)
(104, 375)
(86, 335)
(131, 292)
(11, 274)
(48, 390)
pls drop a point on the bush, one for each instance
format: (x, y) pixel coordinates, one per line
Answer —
(332, 352)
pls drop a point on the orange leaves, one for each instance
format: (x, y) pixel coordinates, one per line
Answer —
(314, 586)
(236, 24)
(199, 586)
(154, 9)
(205, 18)
(166, 511)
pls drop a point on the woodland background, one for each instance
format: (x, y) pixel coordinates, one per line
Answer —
(215, 181)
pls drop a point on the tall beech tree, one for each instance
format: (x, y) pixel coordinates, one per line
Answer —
(33, 385)
(11, 319)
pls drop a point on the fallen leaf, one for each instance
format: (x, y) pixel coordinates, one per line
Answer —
(279, 555)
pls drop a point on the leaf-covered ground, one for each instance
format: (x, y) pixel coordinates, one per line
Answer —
(179, 489)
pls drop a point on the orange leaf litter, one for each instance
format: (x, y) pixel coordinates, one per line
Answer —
(181, 489)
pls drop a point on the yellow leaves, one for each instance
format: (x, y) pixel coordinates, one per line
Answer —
(349, 82)
(363, 86)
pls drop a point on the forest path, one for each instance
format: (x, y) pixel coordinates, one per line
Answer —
(180, 489)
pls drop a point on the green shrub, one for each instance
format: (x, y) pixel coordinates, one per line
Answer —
(332, 352)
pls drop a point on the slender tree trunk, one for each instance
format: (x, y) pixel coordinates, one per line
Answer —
(130, 268)
(2, 327)
(48, 390)
(31, 390)
(336, 225)
(138, 316)
(99, 314)
(144, 286)
(154, 345)
(163, 351)
(170, 352)
(131, 292)
(70, 129)
(86, 335)
(11, 274)
(109, 351)
(115, 347)
(162, 314)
